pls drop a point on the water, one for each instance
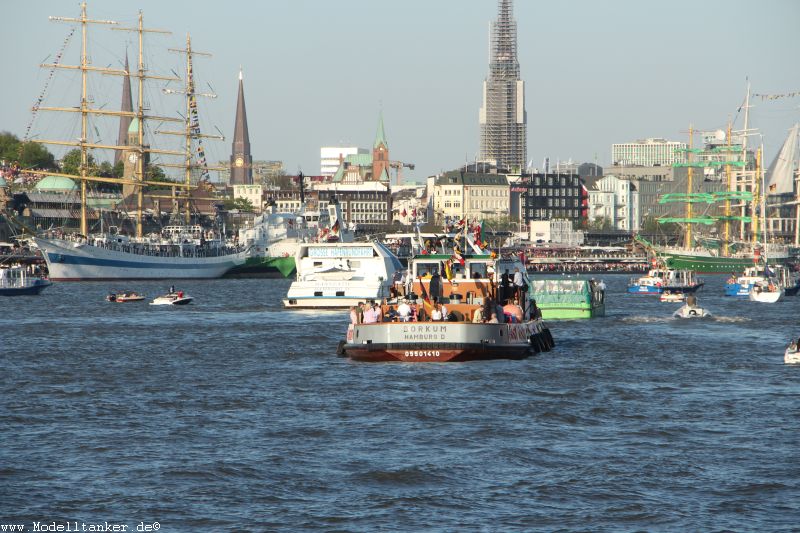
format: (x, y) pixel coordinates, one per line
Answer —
(233, 415)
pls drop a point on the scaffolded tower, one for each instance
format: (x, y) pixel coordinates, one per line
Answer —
(502, 116)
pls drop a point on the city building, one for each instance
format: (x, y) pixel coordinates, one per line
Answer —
(460, 194)
(648, 153)
(614, 201)
(332, 157)
(502, 116)
(552, 196)
(252, 193)
(409, 204)
(241, 163)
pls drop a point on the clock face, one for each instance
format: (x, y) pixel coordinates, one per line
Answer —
(239, 161)
(132, 158)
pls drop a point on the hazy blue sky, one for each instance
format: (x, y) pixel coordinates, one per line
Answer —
(318, 72)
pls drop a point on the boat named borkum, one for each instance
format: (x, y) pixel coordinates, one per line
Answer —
(470, 328)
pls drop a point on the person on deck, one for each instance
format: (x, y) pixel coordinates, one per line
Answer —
(518, 283)
(404, 311)
(691, 300)
(513, 310)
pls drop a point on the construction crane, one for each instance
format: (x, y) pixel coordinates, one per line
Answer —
(398, 167)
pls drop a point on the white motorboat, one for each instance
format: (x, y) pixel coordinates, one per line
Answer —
(792, 354)
(765, 292)
(173, 298)
(691, 311)
(125, 296)
(668, 296)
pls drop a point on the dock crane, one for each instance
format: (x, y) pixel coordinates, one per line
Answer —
(398, 167)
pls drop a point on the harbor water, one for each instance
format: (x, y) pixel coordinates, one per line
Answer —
(231, 414)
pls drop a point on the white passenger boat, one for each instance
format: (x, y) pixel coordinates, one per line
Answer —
(339, 275)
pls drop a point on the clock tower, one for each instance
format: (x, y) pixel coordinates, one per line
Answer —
(241, 160)
(130, 158)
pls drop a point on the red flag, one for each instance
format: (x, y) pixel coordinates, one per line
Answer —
(414, 212)
(404, 213)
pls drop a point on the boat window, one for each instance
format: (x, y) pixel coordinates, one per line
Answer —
(317, 293)
(339, 293)
(426, 269)
(477, 270)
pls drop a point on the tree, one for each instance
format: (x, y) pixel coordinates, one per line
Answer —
(71, 163)
(241, 204)
(600, 223)
(28, 155)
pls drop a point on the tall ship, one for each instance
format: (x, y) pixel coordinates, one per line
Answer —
(744, 217)
(183, 249)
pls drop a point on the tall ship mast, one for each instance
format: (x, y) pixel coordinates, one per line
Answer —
(180, 251)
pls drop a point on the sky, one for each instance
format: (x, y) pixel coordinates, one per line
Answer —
(319, 72)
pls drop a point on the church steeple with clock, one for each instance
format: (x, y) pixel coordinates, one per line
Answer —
(241, 160)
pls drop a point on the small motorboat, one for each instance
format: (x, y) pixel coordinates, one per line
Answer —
(173, 298)
(125, 296)
(691, 311)
(668, 296)
(792, 354)
(765, 292)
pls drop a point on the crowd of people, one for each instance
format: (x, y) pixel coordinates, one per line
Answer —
(589, 267)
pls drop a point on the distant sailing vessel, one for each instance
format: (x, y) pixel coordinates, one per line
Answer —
(743, 203)
(182, 251)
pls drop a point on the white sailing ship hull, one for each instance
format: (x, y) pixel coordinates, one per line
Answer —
(72, 261)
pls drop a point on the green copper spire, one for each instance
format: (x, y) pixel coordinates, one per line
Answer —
(380, 136)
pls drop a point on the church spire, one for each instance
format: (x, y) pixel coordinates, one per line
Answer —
(241, 160)
(127, 105)
(380, 154)
(380, 135)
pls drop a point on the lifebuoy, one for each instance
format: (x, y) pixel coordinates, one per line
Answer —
(692, 312)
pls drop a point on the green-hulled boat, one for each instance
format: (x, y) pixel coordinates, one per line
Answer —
(262, 267)
(568, 298)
